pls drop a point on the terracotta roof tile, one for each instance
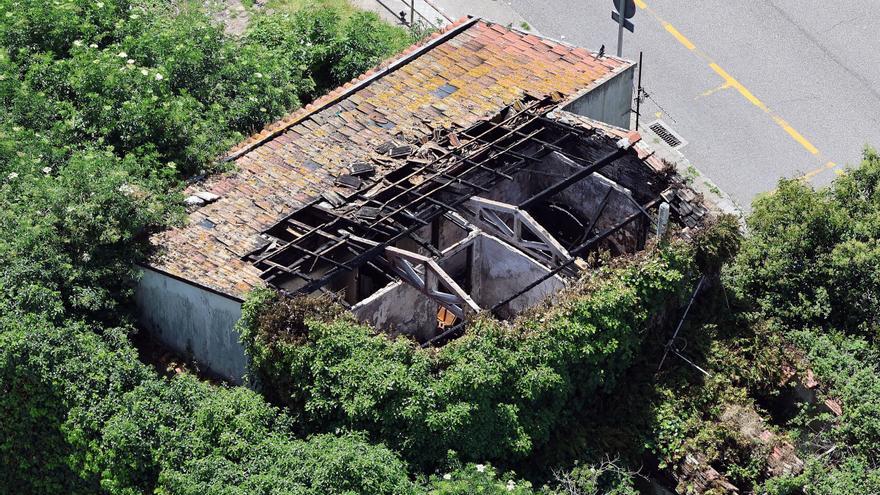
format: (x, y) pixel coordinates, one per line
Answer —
(298, 157)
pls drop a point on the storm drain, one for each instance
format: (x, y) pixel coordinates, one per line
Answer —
(664, 132)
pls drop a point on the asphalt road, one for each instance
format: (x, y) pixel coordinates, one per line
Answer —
(759, 89)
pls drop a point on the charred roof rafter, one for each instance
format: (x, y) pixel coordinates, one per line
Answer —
(397, 204)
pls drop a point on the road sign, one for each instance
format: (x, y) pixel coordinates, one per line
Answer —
(626, 23)
(629, 7)
(623, 10)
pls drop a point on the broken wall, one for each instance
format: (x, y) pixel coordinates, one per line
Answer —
(497, 271)
(504, 271)
(583, 198)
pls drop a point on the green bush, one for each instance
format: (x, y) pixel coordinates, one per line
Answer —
(496, 393)
(107, 105)
(813, 256)
(79, 411)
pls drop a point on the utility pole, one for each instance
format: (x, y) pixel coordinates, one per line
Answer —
(639, 94)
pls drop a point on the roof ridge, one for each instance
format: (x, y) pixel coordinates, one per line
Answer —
(384, 67)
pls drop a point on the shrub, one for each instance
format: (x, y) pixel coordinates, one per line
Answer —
(496, 393)
(81, 412)
(812, 257)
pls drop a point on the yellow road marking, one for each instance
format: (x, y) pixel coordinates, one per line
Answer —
(710, 92)
(731, 82)
(795, 135)
(680, 37)
(728, 79)
(809, 175)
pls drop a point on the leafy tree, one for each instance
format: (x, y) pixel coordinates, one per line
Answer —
(107, 105)
(812, 256)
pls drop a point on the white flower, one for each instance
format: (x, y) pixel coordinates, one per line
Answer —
(100, 4)
(93, 45)
(46, 170)
(129, 61)
(262, 109)
(159, 77)
(125, 189)
(258, 75)
(481, 468)
(447, 476)
(122, 55)
(145, 72)
(86, 257)
(78, 43)
(12, 176)
(511, 485)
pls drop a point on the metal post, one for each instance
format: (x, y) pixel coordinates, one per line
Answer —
(412, 13)
(621, 9)
(639, 93)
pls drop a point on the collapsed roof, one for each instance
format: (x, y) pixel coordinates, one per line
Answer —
(531, 189)
(450, 182)
(463, 74)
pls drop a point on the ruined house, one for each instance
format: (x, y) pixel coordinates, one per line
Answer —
(472, 173)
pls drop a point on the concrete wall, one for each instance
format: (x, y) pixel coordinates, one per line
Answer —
(585, 196)
(499, 270)
(610, 102)
(399, 309)
(505, 270)
(193, 321)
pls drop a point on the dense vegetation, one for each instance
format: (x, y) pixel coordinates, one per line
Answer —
(496, 393)
(108, 106)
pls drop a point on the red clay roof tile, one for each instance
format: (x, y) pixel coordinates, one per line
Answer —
(292, 160)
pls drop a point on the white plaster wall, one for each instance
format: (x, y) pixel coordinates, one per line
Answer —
(499, 271)
(610, 102)
(193, 321)
(399, 308)
(505, 271)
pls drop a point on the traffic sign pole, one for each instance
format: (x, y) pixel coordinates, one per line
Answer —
(621, 8)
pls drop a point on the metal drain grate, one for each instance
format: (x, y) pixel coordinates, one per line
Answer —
(670, 137)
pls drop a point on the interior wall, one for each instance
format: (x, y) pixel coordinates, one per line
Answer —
(586, 195)
(498, 271)
(399, 308)
(193, 321)
(504, 270)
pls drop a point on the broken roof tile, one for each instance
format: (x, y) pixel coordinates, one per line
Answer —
(300, 156)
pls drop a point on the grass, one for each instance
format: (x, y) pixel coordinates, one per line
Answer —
(712, 188)
(344, 8)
